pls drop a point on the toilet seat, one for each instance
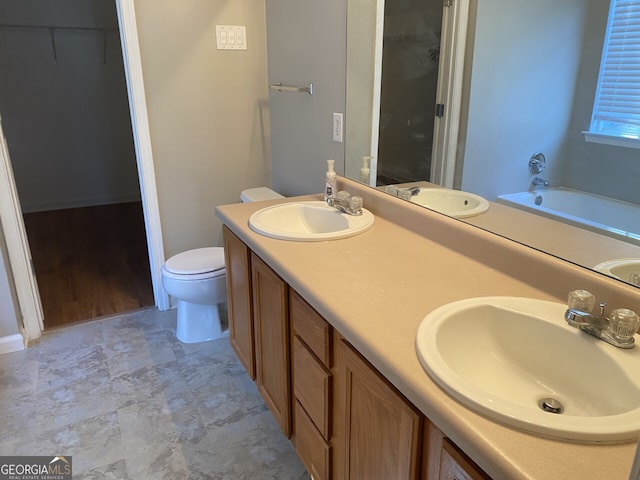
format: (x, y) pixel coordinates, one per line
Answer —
(196, 264)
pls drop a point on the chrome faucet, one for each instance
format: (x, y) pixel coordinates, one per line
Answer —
(617, 330)
(539, 182)
(346, 203)
(405, 193)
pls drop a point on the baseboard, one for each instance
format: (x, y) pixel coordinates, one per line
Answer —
(11, 343)
(79, 203)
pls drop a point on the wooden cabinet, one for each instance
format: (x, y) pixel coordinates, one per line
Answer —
(259, 325)
(239, 296)
(346, 421)
(312, 387)
(378, 433)
(271, 327)
(443, 460)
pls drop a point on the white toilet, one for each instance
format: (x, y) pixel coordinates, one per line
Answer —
(196, 279)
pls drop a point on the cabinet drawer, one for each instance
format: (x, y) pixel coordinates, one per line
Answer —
(311, 327)
(314, 452)
(312, 386)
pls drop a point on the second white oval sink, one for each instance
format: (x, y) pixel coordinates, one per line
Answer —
(505, 356)
(454, 203)
(312, 221)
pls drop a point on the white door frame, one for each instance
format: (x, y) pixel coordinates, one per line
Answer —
(377, 92)
(142, 139)
(18, 250)
(11, 212)
(455, 20)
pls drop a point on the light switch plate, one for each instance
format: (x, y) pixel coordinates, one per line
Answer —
(337, 127)
(231, 37)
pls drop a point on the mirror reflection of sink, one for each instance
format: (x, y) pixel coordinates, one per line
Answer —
(308, 222)
(454, 203)
(516, 361)
(627, 269)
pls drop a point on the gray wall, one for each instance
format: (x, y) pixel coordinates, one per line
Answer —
(306, 44)
(534, 93)
(65, 111)
(602, 169)
(521, 94)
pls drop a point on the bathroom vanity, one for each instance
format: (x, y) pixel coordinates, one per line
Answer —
(327, 330)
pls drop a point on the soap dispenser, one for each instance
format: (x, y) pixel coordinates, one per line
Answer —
(330, 187)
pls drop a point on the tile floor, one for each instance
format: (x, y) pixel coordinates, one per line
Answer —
(129, 401)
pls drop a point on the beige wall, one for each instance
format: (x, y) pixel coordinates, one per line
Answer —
(207, 109)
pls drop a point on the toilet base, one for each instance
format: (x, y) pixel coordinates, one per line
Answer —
(199, 323)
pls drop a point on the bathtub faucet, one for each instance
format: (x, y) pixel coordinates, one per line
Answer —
(539, 182)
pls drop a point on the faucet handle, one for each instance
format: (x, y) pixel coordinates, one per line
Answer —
(581, 300)
(624, 322)
(355, 203)
(343, 197)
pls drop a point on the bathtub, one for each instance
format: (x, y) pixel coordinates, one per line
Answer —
(599, 214)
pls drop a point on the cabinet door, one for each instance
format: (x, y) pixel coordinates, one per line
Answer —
(378, 431)
(237, 259)
(271, 324)
(443, 460)
(455, 465)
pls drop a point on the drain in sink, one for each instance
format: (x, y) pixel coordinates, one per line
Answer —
(551, 405)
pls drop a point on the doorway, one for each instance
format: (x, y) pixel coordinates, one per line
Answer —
(409, 83)
(413, 124)
(66, 118)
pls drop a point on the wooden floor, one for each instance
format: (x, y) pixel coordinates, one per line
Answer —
(90, 262)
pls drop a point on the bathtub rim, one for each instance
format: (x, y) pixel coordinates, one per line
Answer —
(511, 200)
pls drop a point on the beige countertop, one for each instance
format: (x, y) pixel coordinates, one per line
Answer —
(376, 287)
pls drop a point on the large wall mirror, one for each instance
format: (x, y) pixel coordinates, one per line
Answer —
(529, 79)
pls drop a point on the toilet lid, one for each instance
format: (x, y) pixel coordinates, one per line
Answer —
(200, 260)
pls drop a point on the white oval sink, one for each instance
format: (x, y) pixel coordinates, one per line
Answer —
(501, 356)
(308, 222)
(622, 268)
(454, 203)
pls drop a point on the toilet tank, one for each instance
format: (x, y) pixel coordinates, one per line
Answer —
(258, 194)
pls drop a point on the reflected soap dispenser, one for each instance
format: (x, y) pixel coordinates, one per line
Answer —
(365, 171)
(330, 186)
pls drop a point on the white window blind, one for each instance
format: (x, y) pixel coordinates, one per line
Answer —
(616, 111)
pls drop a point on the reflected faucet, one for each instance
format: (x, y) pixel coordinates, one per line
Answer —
(539, 182)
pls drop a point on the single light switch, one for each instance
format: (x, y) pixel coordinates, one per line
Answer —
(337, 127)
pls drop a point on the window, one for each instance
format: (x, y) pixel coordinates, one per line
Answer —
(616, 110)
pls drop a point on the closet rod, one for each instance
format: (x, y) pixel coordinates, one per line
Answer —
(71, 29)
(52, 30)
